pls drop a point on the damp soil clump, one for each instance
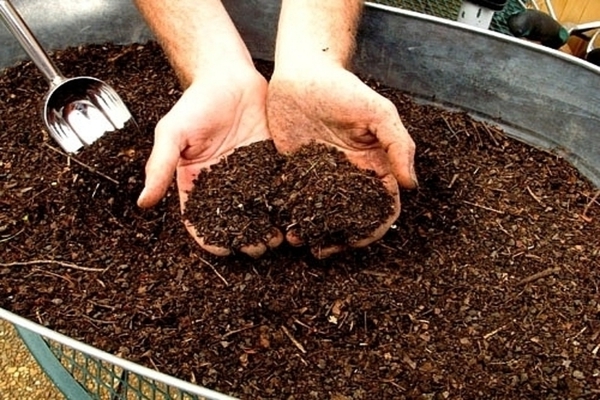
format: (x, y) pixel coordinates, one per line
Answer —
(486, 287)
(231, 202)
(325, 200)
(315, 192)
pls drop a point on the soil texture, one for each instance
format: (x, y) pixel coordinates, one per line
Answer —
(486, 287)
(315, 192)
(231, 202)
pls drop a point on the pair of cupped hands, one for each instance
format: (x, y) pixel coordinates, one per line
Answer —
(230, 108)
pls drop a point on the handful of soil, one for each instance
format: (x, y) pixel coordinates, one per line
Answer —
(230, 204)
(326, 200)
(315, 193)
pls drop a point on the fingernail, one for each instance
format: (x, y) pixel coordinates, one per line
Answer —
(140, 200)
(413, 176)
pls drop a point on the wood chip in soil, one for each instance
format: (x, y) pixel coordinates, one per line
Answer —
(486, 286)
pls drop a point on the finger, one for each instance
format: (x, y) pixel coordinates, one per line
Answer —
(216, 250)
(325, 252)
(392, 187)
(398, 145)
(160, 167)
(293, 238)
(254, 250)
(274, 239)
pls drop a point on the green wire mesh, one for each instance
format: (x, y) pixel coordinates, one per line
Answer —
(449, 9)
(104, 381)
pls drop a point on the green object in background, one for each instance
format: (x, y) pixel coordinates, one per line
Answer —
(80, 376)
(538, 26)
(59, 375)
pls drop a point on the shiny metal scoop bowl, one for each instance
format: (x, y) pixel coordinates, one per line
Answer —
(77, 111)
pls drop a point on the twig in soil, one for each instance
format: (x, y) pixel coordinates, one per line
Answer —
(214, 270)
(476, 130)
(98, 321)
(242, 329)
(375, 273)
(48, 273)
(88, 167)
(485, 127)
(296, 343)
(111, 308)
(449, 127)
(492, 333)
(302, 359)
(535, 197)
(539, 275)
(588, 205)
(310, 328)
(503, 230)
(12, 236)
(61, 263)
(36, 195)
(483, 207)
(577, 334)
(454, 178)
(394, 384)
(148, 355)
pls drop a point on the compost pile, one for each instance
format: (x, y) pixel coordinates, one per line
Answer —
(485, 287)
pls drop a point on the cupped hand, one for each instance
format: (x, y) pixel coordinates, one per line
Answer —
(333, 106)
(216, 114)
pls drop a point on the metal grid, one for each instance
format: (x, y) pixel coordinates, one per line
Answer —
(102, 380)
(83, 372)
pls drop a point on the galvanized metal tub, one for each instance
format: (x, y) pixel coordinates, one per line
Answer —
(543, 97)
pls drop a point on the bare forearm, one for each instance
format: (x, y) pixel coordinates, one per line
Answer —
(195, 34)
(315, 30)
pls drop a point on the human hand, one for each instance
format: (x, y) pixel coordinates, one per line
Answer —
(217, 113)
(331, 105)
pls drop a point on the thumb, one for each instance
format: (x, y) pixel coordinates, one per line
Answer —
(399, 147)
(160, 167)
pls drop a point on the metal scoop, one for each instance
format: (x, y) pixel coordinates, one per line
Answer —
(77, 111)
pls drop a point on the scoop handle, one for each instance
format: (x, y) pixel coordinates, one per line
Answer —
(17, 26)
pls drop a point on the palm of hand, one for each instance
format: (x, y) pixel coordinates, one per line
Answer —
(336, 108)
(209, 121)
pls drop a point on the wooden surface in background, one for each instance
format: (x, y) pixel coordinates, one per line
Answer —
(570, 12)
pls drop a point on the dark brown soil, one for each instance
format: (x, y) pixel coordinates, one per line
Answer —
(316, 193)
(325, 200)
(486, 287)
(232, 201)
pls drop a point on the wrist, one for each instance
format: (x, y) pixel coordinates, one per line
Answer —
(295, 68)
(218, 62)
(312, 33)
(195, 35)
